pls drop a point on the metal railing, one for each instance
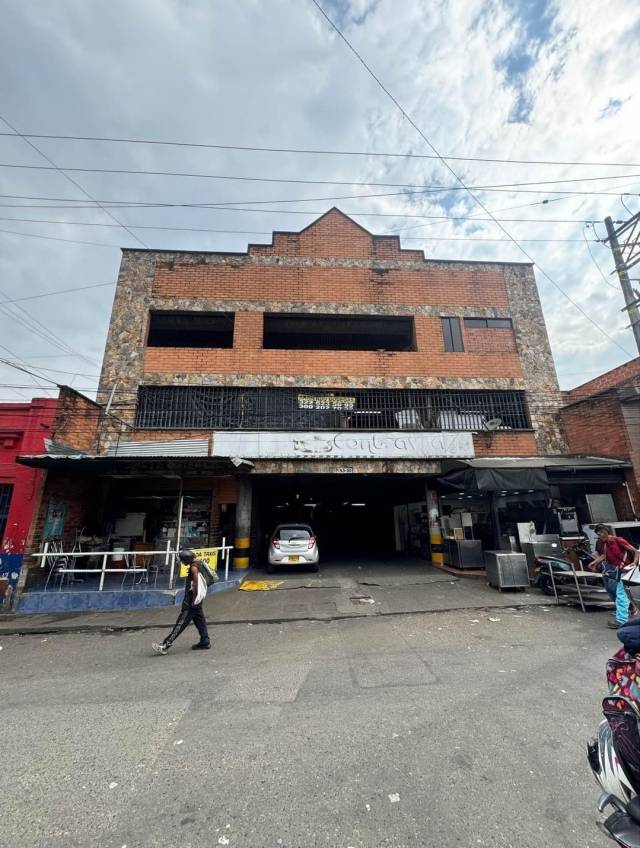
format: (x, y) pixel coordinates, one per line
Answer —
(240, 408)
(61, 563)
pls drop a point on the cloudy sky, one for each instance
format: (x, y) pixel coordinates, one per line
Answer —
(499, 79)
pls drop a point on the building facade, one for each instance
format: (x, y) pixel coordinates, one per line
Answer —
(602, 417)
(334, 361)
(23, 429)
(330, 377)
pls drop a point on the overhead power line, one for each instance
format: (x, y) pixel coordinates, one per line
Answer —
(265, 232)
(117, 204)
(596, 263)
(209, 206)
(459, 180)
(54, 293)
(131, 204)
(322, 152)
(56, 370)
(59, 238)
(53, 166)
(418, 189)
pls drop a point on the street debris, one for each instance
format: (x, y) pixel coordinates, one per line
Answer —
(178, 742)
(260, 585)
(223, 840)
(113, 785)
(368, 807)
(394, 798)
(494, 619)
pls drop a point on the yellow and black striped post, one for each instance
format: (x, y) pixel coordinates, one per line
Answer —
(242, 541)
(435, 534)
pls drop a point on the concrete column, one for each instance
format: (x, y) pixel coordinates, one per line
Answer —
(243, 523)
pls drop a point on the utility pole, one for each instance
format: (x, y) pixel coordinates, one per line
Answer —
(623, 264)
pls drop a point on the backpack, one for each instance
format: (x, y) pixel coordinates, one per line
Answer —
(623, 676)
(209, 573)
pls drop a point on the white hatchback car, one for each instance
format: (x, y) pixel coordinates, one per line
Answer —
(293, 544)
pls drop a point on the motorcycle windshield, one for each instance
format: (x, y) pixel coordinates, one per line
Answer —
(623, 721)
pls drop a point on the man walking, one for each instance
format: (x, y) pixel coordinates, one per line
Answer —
(616, 554)
(195, 591)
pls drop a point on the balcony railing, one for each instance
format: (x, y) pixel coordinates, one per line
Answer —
(238, 408)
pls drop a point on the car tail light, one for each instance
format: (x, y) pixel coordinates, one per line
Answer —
(312, 541)
(276, 543)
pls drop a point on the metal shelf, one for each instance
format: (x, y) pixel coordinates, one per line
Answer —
(586, 594)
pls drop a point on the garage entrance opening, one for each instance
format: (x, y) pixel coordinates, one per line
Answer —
(353, 516)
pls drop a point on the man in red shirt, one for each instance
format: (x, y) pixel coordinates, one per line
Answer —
(616, 555)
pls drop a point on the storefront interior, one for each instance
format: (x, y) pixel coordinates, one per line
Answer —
(354, 516)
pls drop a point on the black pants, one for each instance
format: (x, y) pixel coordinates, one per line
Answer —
(188, 614)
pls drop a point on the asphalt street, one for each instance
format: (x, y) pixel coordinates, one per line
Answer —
(444, 729)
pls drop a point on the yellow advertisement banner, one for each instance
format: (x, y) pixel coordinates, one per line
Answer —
(208, 555)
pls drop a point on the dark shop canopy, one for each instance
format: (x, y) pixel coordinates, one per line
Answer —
(538, 473)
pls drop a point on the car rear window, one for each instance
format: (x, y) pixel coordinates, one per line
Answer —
(288, 533)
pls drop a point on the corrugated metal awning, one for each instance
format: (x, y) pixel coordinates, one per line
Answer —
(174, 447)
(139, 466)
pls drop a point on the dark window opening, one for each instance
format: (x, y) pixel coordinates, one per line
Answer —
(452, 335)
(190, 329)
(338, 332)
(488, 323)
(5, 502)
(239, 408)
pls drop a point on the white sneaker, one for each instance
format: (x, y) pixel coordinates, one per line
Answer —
(160, 648)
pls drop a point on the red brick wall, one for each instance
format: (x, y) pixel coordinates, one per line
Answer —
(489, 341)
(505, 444)
(618, 376)
(248, 357)
(597, 428)
(436, 286)
(224, 492)
(335, 235)
(80, 496)
(164, 435)
(77, 420)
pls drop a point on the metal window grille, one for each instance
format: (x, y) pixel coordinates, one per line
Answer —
(237, 408)
(5, 501)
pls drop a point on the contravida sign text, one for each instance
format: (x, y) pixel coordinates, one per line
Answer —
(344, 445)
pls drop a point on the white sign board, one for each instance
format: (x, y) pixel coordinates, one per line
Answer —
(343, 445)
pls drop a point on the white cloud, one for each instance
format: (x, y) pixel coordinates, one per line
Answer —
(274, 75)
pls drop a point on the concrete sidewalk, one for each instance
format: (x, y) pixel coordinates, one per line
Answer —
(340, 591)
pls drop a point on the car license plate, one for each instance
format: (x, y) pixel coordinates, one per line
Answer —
(294, 559)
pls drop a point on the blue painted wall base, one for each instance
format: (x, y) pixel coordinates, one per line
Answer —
(37, 603)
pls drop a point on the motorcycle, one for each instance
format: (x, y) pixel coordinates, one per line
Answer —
(562, 569)
(614, 755)
(614, 758)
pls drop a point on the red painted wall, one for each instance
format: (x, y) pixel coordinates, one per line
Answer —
(23, 429)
